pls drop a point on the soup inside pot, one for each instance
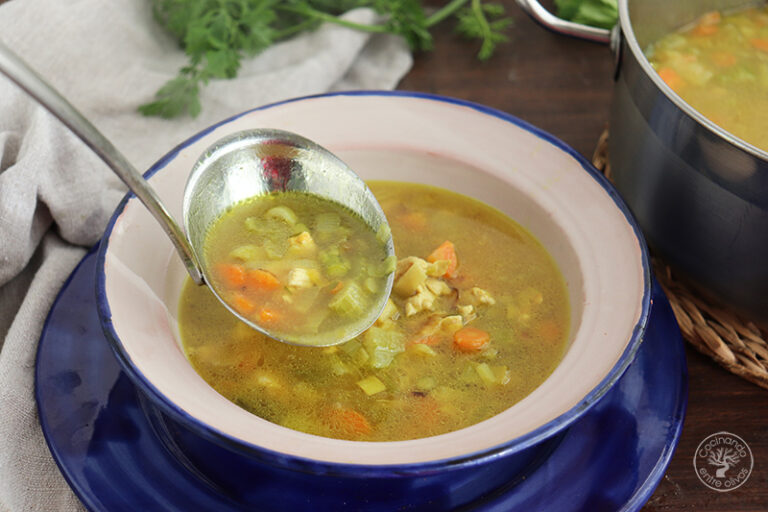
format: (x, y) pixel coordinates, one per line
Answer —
(719, 65)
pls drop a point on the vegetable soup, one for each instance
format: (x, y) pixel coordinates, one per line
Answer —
(303, 267)
(719, 66)
(477, 319)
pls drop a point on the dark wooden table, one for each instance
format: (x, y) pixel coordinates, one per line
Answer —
(564, 87)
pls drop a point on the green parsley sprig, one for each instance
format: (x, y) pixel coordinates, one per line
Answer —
(218, 34)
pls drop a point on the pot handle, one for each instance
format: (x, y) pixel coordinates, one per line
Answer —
(540, 15)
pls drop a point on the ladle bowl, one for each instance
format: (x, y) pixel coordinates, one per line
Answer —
(233, 169)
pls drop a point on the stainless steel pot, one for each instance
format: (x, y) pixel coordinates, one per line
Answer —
(699, 193)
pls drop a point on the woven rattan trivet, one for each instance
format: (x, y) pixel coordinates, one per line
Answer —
(734, 342)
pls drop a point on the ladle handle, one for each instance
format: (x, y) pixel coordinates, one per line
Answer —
(541, 15)
(26, 78)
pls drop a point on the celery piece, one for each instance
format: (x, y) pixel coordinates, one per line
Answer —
(327, 222)
(248, 253)
(338, 269)
(299, 228)
(383, 233)
(486, 374)
(350, 347)
(276, 249)
(349, 301)
(501, 374)
(371, 385)
(383, 345)
(384, 268)
(282, 213)
(426, 384)
(370, 285)
(361, 357)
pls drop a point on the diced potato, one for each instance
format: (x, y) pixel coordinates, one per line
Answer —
(371, 385)
(482, 296)
(408, 283)
(437, 286)
(424, 300)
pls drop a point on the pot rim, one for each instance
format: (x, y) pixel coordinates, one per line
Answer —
(627, 34)
(308, 465)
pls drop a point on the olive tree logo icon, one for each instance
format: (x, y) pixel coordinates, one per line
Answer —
(723, 461)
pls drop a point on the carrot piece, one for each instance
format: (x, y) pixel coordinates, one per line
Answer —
(470, 339)
(710, 18)
(348, 421)
(232, 275)
(705, 30)
(414, 221)
(243, 304)
(671, 78)
(760, 44)
(269, 316)
(445, 251)
(550, 331)
(430, 340)
(261, 280)
(724, 59)
(336, 289)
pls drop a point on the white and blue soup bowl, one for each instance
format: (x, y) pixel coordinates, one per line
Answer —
(535, 179)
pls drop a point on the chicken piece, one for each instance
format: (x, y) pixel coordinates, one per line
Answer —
(423, 300)
(482, 296)
(302, 245)
(299, 278)
(467, 313)
(437, 286)
(451, 324)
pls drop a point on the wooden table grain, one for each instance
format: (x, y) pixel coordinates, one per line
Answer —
(563, 86)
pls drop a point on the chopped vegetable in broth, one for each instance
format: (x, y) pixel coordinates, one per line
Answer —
(477, 319)
(298, 265)
(720, 67)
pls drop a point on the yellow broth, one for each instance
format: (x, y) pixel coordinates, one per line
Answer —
(301, 266)
(719, 66)
(478, 318)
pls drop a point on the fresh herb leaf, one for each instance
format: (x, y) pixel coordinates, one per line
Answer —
(218, 34)
(597, 13)
(484, 22)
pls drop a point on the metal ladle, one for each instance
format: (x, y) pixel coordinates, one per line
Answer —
(237, 167)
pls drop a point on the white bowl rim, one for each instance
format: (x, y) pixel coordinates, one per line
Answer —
(304, 464)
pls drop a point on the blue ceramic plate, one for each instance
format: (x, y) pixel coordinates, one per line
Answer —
(96, 427)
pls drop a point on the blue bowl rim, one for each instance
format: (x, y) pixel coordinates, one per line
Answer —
(307, 465)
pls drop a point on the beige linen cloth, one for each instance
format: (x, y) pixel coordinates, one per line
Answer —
(108, 57)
